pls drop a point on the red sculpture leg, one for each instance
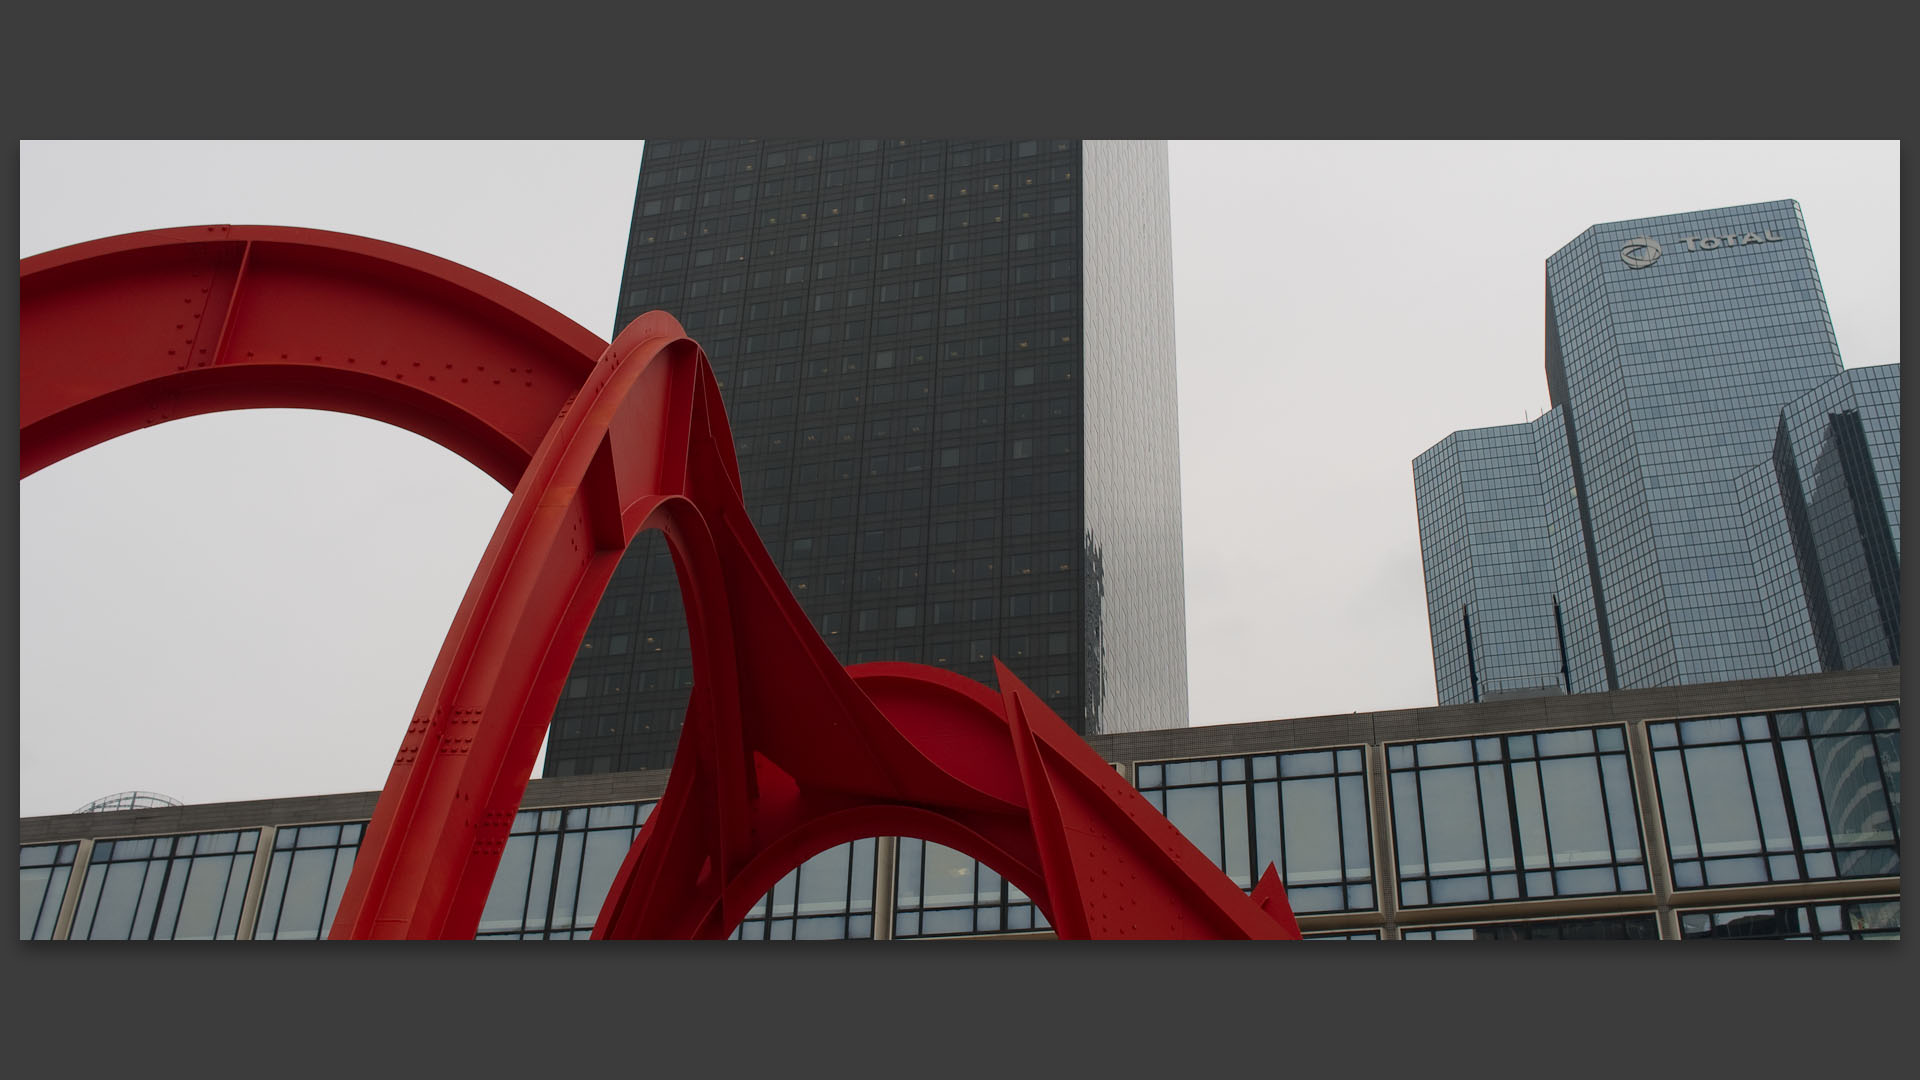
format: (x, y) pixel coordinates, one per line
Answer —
(784, 752)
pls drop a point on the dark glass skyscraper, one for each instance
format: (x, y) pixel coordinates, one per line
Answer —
(949, 369)
(1710, 498)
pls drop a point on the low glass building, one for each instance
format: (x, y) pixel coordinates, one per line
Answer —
(1767, 808)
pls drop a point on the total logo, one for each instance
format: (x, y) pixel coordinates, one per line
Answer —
(1642, 251)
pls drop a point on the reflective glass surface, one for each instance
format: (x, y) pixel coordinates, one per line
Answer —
(828, 896)
(900, 333)
(1780, 796)
(1710, 498)
(1521, 817)
(1856, 921)
(556, 869)
(44, 872)
(187, 888)
(306, 875)
(940, 892)
(1605, 928)
(1305, 813)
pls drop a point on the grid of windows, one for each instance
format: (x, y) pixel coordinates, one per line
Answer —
(1305, 813)
(186, 888)
(1516, 817)
(828, 896)
(1710, 497)
(897, 331)
(44, 872)
(1781, 796)
(940, 892)
(306, 874)
(1856, 921)
(1605, 928)
(556, 869)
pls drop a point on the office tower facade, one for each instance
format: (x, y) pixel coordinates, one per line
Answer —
(1658, 526)
(949, 370)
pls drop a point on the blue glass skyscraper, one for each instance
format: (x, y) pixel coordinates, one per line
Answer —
(1710, 498)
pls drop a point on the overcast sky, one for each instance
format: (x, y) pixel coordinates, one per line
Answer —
(246, 605)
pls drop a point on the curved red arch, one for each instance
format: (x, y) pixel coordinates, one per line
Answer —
(131, 331)
(784, 751)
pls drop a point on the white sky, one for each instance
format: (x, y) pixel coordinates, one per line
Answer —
(200, 600)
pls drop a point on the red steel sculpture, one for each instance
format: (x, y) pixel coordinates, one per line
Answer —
(784, 752)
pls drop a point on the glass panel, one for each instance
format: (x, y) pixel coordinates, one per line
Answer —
(1856, 807)
(170, 903)
(949, 877)
(1193, 772)
(1196, 812)
(604, 817)
(1774, 830)
(1266, 767)
(119, 892)
(1626, 827)
(1675, 805)
(1456, 752)
(1310, 764)
(1736, 871)
(567, 888)
(33, 891)
(907, 892)
(1532, 818)
(1464, 890)
(1722, 801)
(342, 869)
(1807, 811)
(862, 898)
(1147, 776)
(823, 881)
(143, 916)
(1836, 721)
(1888, 746)
(987, 889)
(1311, 813)
(600, 860)
(949, 921)
(1266, 828)
(1576, 815)
(1353, 813)
(780, 898)
(318, 836)
(1451, 807)
(84, 914)
(507, 900)
(269, 918)
(207, 889)
(236, 899)
(546, 846)
(1721, 729)
(1493, 803)
(1406, 825)
(1235, 853)
(306, 897)
(1581, 882)
(1565, 742)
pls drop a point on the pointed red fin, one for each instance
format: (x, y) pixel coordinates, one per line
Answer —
(1271, 897)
